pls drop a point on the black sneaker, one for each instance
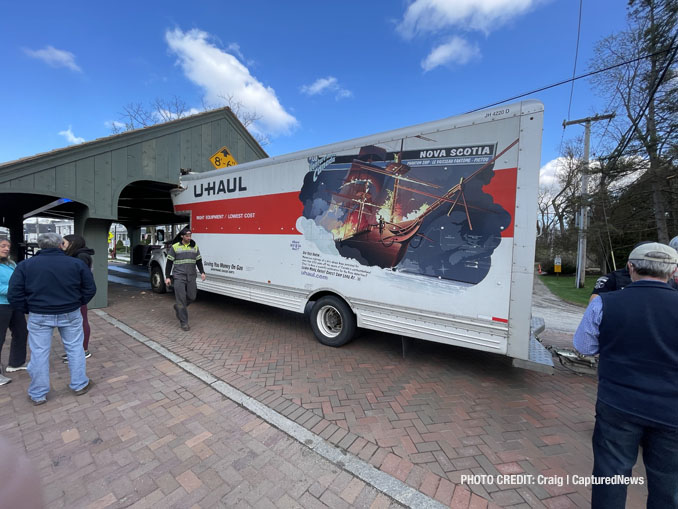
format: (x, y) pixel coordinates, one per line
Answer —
(37, 402)
(85, 389)
(185, 327)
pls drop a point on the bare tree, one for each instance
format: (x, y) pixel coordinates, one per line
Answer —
(643, 92)
(247, 118)
(565, 196)
(138, 115)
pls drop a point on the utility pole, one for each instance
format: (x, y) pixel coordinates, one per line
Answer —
(584, 211)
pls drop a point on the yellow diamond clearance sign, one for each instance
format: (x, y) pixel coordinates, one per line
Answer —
(223, 158)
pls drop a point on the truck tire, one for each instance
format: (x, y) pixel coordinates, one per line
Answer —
(332, 321)
(158, 280)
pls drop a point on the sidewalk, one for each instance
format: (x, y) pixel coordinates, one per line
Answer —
(149, 434)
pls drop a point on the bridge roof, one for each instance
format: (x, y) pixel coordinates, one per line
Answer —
(126, 176)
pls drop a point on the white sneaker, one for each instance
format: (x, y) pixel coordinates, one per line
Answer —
(10, 369)
(64, 357)
(4, 380)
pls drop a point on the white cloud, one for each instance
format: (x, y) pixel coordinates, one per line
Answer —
(342, 93)
(455, 51)
(114, 124)
(548, 173)
(328, 84)
(54, 57)
(426, 16)
(221, 75)
(319, 85)
(430, 17)
(70, 137)
(235, 49)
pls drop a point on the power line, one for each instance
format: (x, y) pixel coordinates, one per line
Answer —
(574, 71)
(576, 55)
(627, 135)
(581, 76)
(607, 126)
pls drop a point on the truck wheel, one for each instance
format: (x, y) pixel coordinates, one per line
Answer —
(332, 321)
(158, 280)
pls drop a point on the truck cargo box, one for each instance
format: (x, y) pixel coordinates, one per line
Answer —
(426, 231)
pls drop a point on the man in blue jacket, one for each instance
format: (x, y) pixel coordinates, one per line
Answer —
(634, 331)
(51, 287)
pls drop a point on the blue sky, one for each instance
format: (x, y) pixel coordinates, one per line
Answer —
(315, 72)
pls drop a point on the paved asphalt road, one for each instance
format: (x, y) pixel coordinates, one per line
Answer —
(558, 314)
(561, 318)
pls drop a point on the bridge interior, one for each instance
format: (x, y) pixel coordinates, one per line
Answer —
(143, 203)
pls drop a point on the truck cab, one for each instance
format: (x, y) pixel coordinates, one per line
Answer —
(156, 264)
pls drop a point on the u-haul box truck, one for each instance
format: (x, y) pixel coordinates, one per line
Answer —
(426, 232)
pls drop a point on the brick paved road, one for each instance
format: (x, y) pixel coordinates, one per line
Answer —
(427, 420)
(151, 435)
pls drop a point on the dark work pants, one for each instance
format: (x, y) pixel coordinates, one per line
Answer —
(616, 438)
(16, 322)
(185, 292)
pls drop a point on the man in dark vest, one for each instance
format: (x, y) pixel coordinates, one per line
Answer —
(182, 261)
(635, 331)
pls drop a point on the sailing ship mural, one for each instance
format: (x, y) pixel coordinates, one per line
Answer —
(431, 211)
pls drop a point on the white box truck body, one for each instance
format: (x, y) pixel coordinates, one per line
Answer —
(425, 232)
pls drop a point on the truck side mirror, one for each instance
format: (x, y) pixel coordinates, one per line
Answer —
(160, 235)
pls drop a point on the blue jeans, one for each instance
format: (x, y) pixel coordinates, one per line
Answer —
(616, 438)
(40, 329)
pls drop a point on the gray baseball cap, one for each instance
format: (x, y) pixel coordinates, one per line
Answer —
(654, 252)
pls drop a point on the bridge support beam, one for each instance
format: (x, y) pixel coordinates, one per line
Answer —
(95, 232)
(134, 237)
(133, 234)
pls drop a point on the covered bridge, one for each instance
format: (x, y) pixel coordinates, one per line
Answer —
(124, 178)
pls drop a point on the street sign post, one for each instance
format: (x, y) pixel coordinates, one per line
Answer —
(557, 265)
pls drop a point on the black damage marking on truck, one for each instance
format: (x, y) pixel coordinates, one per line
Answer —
(420, 211)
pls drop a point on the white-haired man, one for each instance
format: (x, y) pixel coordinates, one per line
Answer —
(51, 286)
(634, 331)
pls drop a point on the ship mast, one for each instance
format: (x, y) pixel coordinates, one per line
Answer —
(396, 181)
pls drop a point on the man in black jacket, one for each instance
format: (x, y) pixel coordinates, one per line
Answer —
(51, 287)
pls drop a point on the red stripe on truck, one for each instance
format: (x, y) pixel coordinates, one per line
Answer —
(502, 188)
(273, 214)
